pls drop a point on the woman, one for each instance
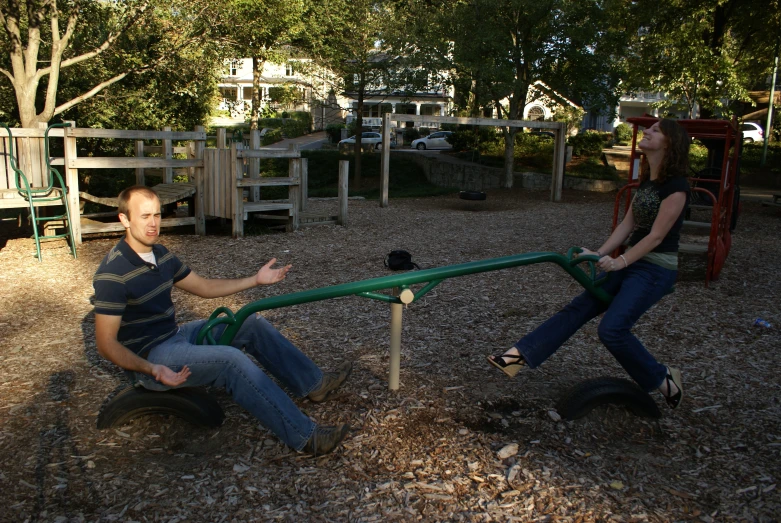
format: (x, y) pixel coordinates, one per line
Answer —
(637, 279)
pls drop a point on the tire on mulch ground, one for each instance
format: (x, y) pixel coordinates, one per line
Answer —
(193, 405)
(471, 195)
(587, 395)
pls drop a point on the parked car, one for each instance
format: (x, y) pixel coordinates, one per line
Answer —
(752, 132)
(437, 140)
(369, 140)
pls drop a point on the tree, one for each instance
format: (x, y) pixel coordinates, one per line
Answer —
(130, 38)
(347, 37)
(703, 53)
(561, 42)
(261, 29)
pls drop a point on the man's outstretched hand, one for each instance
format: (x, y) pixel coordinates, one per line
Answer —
(267, 276)
(168, 377)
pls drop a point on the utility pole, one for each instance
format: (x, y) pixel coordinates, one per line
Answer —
(770, 101)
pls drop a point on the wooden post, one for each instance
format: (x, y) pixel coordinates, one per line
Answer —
(294, 190)
(385, 160)
(199, 179)
(303, 188)
(140, 170)
(168, 174)
(221, 138)
(344, 171)
(72, 182)
(559, 149)
(254, 165)
(236, 193)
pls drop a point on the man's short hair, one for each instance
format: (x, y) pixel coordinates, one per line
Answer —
(124, 197)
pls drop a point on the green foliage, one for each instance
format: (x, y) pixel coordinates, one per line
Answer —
(294, 128)
(593, 169)
(304, 117)
(272, 136)
(586, 144)
(284, 95)
(411, 133)
(623, 133)
(480, 138)
(334, 132)
(274, 123)
(701, 53)
(407, 179)
(572, 116)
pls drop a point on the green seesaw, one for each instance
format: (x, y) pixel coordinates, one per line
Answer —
(401, 294)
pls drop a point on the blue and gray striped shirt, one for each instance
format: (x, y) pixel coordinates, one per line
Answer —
(140, 292)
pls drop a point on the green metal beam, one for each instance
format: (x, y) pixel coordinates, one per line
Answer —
(431, 277)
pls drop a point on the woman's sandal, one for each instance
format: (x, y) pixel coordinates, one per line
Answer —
(512, 368)
(674, 377)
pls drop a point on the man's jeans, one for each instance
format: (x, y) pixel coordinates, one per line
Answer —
(228, 367)
(635, 290)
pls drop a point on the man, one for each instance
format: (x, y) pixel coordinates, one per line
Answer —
(135, 328)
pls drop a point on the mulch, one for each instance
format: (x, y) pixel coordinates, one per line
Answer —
(458, 441)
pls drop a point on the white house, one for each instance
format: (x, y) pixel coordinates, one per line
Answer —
(314, 85)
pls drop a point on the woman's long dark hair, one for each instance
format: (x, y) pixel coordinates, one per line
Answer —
(676, 157)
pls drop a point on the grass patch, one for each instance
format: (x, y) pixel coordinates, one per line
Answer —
(591, 168)
(407, 179)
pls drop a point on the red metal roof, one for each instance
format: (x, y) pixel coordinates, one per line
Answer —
(695, 128)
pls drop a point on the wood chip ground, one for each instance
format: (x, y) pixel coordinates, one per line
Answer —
(459, 441)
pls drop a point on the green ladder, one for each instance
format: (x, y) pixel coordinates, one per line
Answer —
(47, 193)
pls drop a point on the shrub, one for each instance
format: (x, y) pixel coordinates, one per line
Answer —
(586, 144)
(623, 132)
(272, 136)
(334, 132)
(425, 131)
(483, 139)
(275, 123)
(304, 117)
(410, 133)
(294, 128)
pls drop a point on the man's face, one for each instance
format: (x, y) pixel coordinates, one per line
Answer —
(143, 224)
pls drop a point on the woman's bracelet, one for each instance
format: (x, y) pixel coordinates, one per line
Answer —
(625, 262)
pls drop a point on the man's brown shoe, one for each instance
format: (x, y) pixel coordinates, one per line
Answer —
(325, 439)
(331, 381)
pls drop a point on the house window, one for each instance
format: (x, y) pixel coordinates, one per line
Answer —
(289, 70)
(247, 93)
(233, 68)
(536, 114)
(229, 93)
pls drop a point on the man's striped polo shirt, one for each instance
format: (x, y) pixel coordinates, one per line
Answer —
(140, 292)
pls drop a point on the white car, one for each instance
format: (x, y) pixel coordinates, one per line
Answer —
(437, 140)
(369, 140)
(752, 132)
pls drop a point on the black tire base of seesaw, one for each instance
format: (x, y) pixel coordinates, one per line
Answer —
(581, 399)
(193, 405)
(472, 195)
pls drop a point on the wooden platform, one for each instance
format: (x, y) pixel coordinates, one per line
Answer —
(11, 199)
(167, 192)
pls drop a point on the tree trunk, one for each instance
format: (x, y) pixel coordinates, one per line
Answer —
(257, 69)
(359, 132)
(509, 156)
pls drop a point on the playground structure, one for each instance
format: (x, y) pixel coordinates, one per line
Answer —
(715, 189)
(213, 180)
(400, 295)
(223, 325)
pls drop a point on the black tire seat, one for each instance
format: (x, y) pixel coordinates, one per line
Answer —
(472, 195)
(581, 399)
(193, 405)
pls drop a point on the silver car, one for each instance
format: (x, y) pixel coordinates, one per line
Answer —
(752, 132)
(369, 140)
(437, 140)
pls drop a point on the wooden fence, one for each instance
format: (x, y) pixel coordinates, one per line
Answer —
(215, 178)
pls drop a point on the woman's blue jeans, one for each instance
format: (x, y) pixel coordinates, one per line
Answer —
(635, 290)
(230, 368)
